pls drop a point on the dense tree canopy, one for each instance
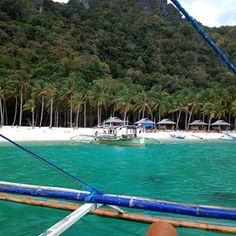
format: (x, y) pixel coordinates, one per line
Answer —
(65, 65)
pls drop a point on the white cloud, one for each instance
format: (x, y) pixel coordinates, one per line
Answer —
(211, 12)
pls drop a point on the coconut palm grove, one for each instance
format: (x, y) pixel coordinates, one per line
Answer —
(75, 64)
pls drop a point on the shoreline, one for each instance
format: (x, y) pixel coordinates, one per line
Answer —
(26, 133)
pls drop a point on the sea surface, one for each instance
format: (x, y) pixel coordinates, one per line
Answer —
(191, 172)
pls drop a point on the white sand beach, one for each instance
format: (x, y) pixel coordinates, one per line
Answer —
(80, 134)
(44, 133)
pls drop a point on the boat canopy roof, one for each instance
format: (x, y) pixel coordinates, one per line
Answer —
(221, 123)
(166, 122)
(127, 127)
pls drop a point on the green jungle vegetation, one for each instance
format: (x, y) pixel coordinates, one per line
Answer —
(68, 65)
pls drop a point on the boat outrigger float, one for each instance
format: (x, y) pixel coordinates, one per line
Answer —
(120, 200)
(94, 201)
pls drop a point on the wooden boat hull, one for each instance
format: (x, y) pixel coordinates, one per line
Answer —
(121, 141)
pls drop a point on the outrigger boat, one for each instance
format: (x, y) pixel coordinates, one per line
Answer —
(228, 137)
(122, 136)
(120, 141)
(177, 136)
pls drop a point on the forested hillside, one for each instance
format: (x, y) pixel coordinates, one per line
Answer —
(76, 64)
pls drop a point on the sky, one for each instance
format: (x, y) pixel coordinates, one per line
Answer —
(208, 12)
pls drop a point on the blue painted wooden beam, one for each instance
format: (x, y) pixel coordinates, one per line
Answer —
(124, 201)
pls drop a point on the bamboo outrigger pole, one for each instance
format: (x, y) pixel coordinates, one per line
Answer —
(224, 228)
(120, 200)
(69, 220)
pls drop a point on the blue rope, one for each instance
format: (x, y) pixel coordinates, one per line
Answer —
(88, 187)
(90, 198)
(206, 37)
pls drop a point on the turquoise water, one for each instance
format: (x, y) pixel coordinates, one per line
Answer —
(196, 172)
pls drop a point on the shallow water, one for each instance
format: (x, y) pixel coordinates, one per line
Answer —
(191, 172)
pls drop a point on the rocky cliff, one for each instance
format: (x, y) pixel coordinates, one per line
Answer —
(159, 7)
(34, 5)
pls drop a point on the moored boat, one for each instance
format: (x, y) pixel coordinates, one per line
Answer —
(122, 136)
(177, 136)
(121, 141)
(228, 137)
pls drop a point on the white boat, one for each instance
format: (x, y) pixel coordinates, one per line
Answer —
(228, 137)
(120, 141)
(122, 136)
(83, 138)
(177, 136)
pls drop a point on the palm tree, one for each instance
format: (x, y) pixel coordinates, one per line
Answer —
(224, 99)
(160, 98)
(30, 105)
(209, 109)
(2, 96)
(143, 104)
(77, 101)
(50, 92)
(123, 102)
(70, 88)
(12, 88)
(22, 85)
(179, 106)
(113, 88)
(233, 112)
(99, 97)
(222, 96)
(60, 106)
(194, 106)
(220, 111)
(86, 98)
(39, 93)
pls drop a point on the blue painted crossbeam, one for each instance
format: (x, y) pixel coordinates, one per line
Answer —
(125, 201)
